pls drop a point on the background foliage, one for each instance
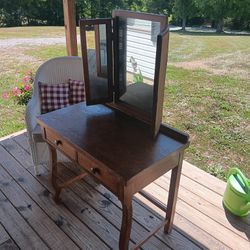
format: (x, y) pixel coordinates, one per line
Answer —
(232, 13)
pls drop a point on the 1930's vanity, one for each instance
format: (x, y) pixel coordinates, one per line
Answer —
(117, 136)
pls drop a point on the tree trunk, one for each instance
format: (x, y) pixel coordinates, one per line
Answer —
(219, 28)
(184, 20)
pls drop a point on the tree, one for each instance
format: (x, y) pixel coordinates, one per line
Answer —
(136, 5)
(11, 12)
(241, 14)
(160, 6)
(97, 8)
(217, 10)
(184, 9)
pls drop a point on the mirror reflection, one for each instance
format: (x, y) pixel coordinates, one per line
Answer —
(97, 61)
(137, 53)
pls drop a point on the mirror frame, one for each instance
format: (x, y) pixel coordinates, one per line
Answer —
(154, 120)
(96, 22)
(155, 117)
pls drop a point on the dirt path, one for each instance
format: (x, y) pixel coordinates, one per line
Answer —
(7, 43)
(225, 64)
(12, 51)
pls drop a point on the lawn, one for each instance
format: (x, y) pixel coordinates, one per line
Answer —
(207, 92)
(31, 32)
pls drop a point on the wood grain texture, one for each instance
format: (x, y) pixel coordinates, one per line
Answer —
(17, 227)
(41, 195)
(32, 213)
(97, 124)
(9, 245)
(70, 27)
(213, 227)
(4, 236)
(211, 182)
(200, 238)
(194, 227)
(87, 214)
(76, 203)
(209, 208)
(110, 210)
(148, 220)
(104, 204)
(111, 130)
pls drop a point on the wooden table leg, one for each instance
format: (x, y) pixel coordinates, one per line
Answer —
(53, 167)
(126, 224)
(172, 195)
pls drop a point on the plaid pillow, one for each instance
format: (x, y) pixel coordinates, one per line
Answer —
(76, 91)
(53, 96)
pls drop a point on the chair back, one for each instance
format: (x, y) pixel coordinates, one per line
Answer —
(58, 70)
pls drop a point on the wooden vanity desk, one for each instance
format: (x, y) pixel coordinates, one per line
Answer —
(119, 151)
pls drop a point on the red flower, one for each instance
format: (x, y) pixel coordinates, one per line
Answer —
(26, 79)
(16, 91)
(26, 87)
(5, 95)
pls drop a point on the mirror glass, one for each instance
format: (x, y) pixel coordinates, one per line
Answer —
(101, 45)
(137, 52)
(96, 44)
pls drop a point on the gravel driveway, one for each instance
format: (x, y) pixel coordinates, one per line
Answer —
(7, 43)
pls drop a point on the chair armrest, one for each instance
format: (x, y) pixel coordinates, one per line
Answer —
(32, 111)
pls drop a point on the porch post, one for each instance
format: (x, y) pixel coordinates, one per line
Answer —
(70, 27)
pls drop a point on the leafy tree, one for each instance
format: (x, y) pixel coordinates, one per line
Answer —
(97, 8)
(241, 14)
(184, 9)
(160, 6)
(217, 10)
(11, 12)
(137, 5)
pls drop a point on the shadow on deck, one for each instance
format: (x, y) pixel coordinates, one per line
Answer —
(89, 216)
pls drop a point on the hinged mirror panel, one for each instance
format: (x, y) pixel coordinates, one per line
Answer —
(140, 59)
(139, 48)
(96, 45)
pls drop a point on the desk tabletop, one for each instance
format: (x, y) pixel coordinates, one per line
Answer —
(122, 143)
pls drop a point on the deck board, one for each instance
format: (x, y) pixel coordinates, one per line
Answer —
(4, 236)
(89, 216)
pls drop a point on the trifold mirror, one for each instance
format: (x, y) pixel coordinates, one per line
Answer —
(124, 63)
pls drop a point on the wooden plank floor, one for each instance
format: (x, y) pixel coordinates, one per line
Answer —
(89, 216)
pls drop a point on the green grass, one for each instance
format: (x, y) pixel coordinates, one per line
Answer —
(11, 115)
(211, 102)
(45, 53)
(212, 110)
(32, 32)
(193, 46)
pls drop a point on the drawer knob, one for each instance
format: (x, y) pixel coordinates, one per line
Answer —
(94, 170)
(57, 142)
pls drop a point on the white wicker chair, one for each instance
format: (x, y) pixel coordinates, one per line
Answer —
(56, 70)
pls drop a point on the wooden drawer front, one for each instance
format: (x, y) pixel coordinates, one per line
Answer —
(102, 173)
(61, 144)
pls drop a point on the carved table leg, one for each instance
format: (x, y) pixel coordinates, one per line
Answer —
(53, 167)
(172, 197)
(126, 224)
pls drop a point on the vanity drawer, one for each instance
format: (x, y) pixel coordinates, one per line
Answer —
(102, 173)
(60, 144)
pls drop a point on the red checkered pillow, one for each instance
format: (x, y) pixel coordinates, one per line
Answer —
(53, 96)
(76, 91)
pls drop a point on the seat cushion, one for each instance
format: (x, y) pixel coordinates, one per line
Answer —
(76, 91)
(53, 96)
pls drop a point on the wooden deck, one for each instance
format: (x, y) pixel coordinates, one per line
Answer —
(89, 216)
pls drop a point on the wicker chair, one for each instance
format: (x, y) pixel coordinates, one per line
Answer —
(56, 70)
